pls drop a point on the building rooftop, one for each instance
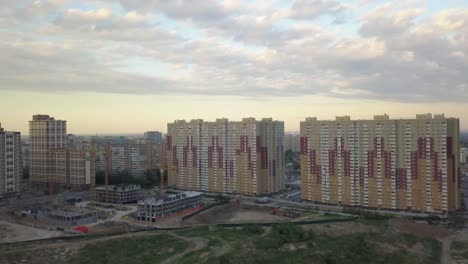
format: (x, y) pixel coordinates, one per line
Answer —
(122, 187)
(173, 197)
(427, 116)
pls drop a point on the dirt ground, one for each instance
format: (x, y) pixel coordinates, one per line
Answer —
(234, 213)
(340, 229)
(11, 232)
(418, 229)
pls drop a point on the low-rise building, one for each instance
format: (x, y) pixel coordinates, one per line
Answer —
(120, 194)
(152, 208)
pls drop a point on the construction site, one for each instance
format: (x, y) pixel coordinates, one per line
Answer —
(119, 194)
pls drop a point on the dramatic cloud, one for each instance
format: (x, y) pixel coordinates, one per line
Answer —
(402, 51)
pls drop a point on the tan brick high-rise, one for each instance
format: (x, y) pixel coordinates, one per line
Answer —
(54, 165)
(236, 157)
(400, 164)
(45, 134)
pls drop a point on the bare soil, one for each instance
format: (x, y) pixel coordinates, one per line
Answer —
(340, 229)
(234, 213)
(11, 232)
(418, 229)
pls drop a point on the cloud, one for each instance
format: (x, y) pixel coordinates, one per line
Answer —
(395, 51)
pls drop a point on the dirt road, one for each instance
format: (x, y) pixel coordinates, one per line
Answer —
(11, 232)
(196, 243)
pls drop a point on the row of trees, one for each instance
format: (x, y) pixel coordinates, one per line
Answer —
(289, 157)
(148, 179)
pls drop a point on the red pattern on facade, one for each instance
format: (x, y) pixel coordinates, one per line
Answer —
(304, 146)
(169, 143)
(401, 178)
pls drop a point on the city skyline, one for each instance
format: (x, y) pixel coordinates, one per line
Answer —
(122, 66)
(141, 133)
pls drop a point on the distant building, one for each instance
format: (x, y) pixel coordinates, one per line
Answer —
(156, 155)
(10, 163)
(55, 162)
(399, 164)
(292, 142)
(25, 153)
(45, 134)
(152, 208)
(117, 159)
(123, 158)
(133, 159)
(153, 136)
(72, 168)
(464, 155)
(235, 157)
(120, 194)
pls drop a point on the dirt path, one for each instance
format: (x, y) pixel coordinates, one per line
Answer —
(446, 250)
(12, 232)
(196, 243)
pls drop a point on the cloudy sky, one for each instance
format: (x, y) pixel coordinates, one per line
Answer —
(129, 66)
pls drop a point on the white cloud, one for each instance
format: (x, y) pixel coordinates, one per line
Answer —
(236, 48)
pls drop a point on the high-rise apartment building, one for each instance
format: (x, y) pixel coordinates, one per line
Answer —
(45, 134)
(291, 142)
(153, 136)
(133, 159)
(399, 164)
(10, 163)
(235, 157)
(53, 162)
(72, 168)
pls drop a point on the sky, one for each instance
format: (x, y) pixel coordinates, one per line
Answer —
(125, 66)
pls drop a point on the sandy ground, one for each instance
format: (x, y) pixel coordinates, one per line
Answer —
(418, 229)
(339, 229)
(234, 213)
(11, 232)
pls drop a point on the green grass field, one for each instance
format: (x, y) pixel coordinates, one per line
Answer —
(286, 243)
(138, 249)
(281, 243)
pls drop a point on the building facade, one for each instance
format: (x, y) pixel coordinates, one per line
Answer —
(235, 157)
(152, 208)
(54, 163)
(133, 160)
(464, 155)
(45, 134)
(10, 163)
(153, 136)
(120, 194)
(72, 168)
(292, 142)
(398, 164)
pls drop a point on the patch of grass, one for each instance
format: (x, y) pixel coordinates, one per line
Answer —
(138, 249)
(282, 243)
(288, 243)
(459, 245)
(435, 250)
